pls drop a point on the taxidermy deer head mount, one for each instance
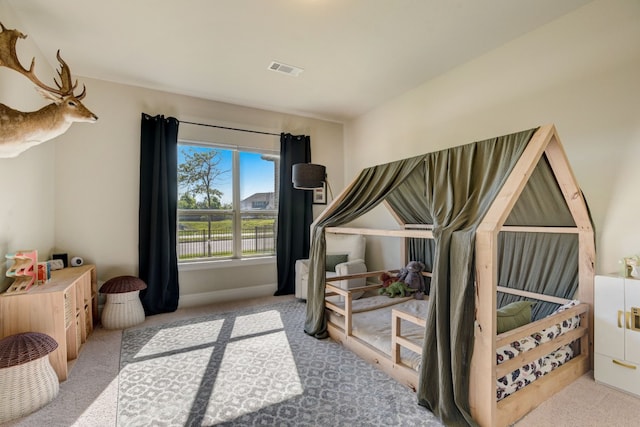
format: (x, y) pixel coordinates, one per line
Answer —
(22, 130)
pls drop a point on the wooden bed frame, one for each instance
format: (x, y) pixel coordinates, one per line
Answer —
(512, 407)
(484, 372)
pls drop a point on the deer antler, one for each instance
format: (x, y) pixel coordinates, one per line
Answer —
(65, 85)
(8, 39)
(9, 59)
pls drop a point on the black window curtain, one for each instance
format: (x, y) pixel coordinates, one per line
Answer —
(295, 212)
(157, 257)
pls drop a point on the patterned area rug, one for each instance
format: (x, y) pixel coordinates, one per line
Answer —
(254, 368)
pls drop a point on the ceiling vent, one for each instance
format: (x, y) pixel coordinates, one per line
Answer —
(284, 68)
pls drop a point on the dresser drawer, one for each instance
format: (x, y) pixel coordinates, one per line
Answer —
(620, 374)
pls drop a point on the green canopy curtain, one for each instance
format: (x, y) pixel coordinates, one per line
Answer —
(461, 183)
(369, 189)
(539, 262)
(541, 202)
(459, 186)
(545, 263)
(410, 204)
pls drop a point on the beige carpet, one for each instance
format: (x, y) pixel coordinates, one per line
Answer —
(584, 403)
(89, 397)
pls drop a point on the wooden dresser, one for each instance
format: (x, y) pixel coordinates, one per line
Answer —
(64, 308)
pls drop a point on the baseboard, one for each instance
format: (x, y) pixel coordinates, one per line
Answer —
(204, 298)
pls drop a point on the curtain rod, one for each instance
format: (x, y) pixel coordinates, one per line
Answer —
(228, 128)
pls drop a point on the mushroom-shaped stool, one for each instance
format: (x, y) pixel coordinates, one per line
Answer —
(122, 308)
(27, 377)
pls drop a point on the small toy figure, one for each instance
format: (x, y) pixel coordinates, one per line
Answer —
(395, 289)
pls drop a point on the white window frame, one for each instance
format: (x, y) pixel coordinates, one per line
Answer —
(236, 213)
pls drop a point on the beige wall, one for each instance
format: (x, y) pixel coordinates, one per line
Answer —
(581, 72)
(79, 193)
(27, 207)
(97, 173)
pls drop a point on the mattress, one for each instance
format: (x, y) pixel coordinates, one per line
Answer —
(371, 323)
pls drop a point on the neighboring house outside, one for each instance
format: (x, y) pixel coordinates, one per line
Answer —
(258, 201)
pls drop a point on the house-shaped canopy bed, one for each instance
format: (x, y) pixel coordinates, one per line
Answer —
(495, 222)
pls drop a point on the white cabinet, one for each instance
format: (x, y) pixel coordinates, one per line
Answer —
(617, 332)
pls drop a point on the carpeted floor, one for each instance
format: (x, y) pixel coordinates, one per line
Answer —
(254, 367)
(89, 397)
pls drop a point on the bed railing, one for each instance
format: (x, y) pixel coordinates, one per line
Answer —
(579, 333)
(331, 290)
(397, 340)
(521, 402)
(578, 336)
(511, 407)
(347, 295)
(344, 333)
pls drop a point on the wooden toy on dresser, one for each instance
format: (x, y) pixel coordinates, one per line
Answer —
(23, 271)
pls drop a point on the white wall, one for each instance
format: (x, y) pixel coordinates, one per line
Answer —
(581, 72)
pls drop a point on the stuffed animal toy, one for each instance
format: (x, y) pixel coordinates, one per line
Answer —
(396, 288)
(386, 279)
(412, 276)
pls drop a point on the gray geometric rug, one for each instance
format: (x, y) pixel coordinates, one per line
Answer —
(254, 367)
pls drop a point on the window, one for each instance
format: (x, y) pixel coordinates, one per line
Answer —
(227, 202)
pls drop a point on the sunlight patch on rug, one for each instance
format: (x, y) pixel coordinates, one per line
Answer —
(182, 337)
(255, 373)
(257, 323)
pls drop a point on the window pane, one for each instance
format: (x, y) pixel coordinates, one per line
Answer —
(258, 181)
(204, 177)
(258, 234)
(227, 202)
(202, 235)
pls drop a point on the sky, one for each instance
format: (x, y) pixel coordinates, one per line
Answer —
(257, 175)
